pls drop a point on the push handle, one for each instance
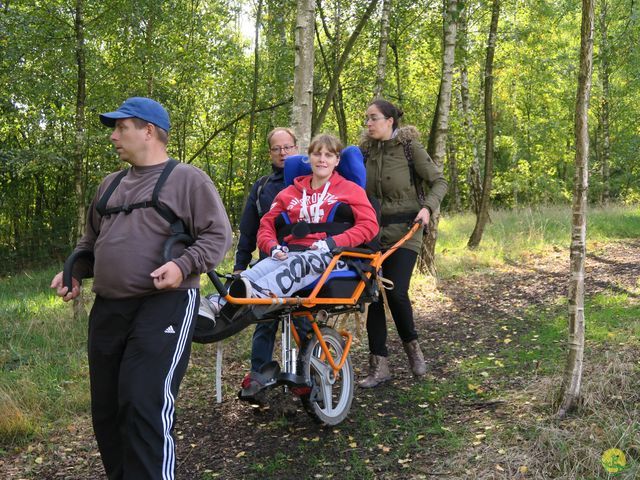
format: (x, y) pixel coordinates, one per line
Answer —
(67, 270)
(171, 241)
(215, 279)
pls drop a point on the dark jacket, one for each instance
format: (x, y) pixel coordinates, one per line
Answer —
(250, 221)
(389, 180)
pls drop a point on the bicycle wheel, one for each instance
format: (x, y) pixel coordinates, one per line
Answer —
(331, 394)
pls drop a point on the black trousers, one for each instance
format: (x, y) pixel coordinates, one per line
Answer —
(397, 267)
(138, 353)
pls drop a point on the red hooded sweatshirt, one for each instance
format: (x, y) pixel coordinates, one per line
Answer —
(303, 203)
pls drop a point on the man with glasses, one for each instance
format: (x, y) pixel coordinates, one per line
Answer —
(282, 143)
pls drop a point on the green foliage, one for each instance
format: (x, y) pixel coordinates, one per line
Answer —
(189, 56)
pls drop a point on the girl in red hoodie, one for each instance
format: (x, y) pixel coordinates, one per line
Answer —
(303, 255)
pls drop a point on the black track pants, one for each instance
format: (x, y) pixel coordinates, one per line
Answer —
(138, 353)
(398, 267)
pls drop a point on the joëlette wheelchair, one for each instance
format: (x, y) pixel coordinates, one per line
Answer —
(322, 373)
(317, 368)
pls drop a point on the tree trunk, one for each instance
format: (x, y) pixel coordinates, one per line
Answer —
(335, 41)
(317, 124)
(473, 175)
(573, 371)
(301, 115)
(148, 43)
(605, 75)
(80, 133)
(341, 115)
(483, 213)
(399, 94)
(440, 125)
(254, 100)
(228, 184)
(454, 179)
(381, 71)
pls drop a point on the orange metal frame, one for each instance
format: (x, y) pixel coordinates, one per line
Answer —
(376, 260)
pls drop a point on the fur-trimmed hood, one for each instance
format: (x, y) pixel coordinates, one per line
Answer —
(404, 134)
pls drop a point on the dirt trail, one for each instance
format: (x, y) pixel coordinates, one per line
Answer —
(227, 440)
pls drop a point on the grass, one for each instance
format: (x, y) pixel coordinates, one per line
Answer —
(514, 234)
(532, 438)
(43, 375)
(44, 379)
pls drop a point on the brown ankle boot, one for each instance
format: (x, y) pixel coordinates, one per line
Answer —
(416, 360)
(378, 372)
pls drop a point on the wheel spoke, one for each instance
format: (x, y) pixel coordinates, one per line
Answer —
(332, 393)
(327, 397)
(320, 367)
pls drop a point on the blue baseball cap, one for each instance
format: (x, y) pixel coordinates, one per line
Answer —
(139, 107)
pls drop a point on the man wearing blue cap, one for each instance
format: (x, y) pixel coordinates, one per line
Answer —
(141, 323)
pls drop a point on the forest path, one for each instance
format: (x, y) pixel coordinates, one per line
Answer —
(399, 430)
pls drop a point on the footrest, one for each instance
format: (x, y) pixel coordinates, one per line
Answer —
(269, 373)
(292, 380)
(209, 330)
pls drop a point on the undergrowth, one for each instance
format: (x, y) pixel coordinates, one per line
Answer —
(514, 234)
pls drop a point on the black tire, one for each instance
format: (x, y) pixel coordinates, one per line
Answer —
(331, 396)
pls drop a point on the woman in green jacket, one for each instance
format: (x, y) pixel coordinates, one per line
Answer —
(389, 151)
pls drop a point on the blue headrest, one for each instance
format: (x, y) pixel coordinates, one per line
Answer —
(351, 166)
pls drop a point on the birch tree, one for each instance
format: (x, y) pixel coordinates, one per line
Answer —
(473, 174)
(381, 70)
(485, 200)
(254, 98)
(335, 76)
(80, 132)
(605, 76)
(301, 115)
(440, 125)
(573, 370)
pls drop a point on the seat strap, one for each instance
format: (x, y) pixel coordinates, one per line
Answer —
(385, 284)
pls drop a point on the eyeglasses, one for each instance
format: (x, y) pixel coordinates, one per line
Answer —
(285, 149)
(373, 118)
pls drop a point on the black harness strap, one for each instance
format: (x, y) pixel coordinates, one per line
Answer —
(415, 178)
(176, 224)
(330, 228)
(361, 268)
(263, 181)
(101, 207)
(398, 218)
